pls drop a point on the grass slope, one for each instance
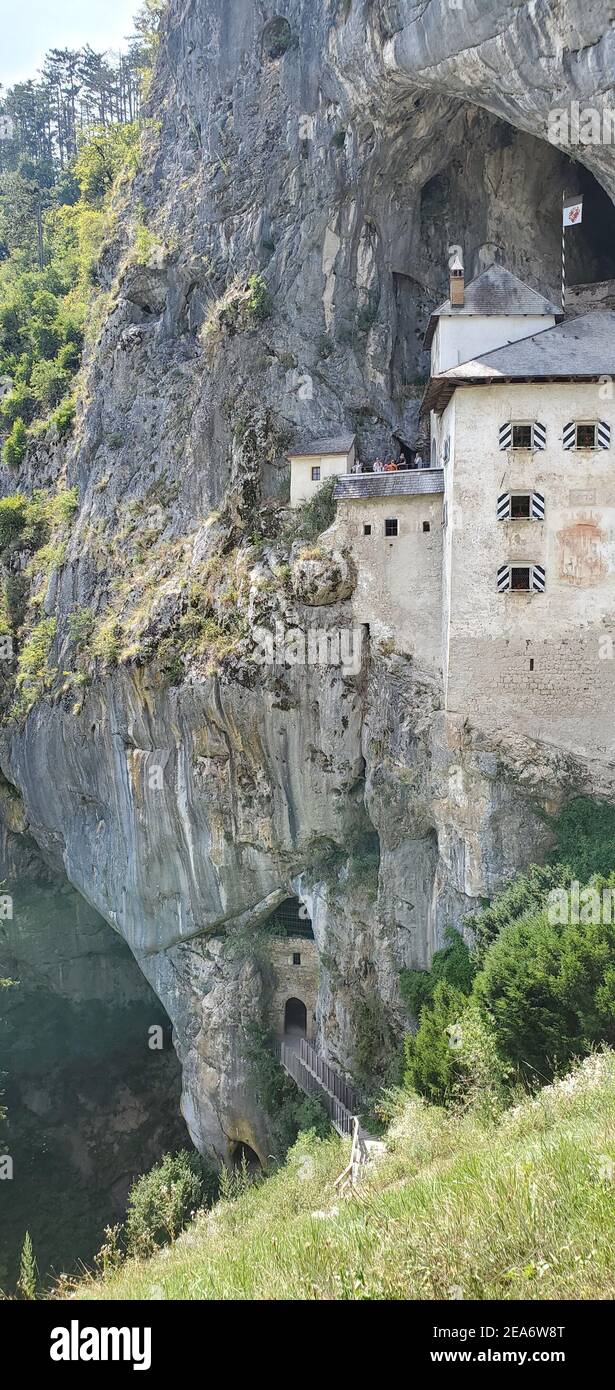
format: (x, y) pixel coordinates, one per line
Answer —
(522, 1207)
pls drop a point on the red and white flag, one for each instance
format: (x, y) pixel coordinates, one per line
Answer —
(573, 211)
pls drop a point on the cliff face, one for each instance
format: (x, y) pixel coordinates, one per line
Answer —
(339, 149)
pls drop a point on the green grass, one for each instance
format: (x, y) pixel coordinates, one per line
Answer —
(519, 1208)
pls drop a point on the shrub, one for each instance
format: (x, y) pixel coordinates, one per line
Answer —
(48, 382)
(63, 416)
(375, 1058)
(550, 990)
(432, 1064)
(290, 1113)
(260, 303)
(69, 356)
(15, 446)
(163, 1201)
(526, 893)
(585, 838)
(33, 657)
(20, 403)
(13, 513)
(453, 964)
(317, 515)
(81, 626)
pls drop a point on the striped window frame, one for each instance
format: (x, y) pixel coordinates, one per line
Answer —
(538, 579)
(603, 433)
(504, 506)
(539, 433)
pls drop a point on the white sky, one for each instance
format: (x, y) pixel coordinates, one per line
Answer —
(28, 28)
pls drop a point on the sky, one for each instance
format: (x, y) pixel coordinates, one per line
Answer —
(28, 28)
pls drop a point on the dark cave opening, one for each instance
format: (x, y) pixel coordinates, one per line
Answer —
(245, 1158)
(593, 243)
(292, 918)
(496, 192)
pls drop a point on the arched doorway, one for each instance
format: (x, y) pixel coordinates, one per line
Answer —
(295, 1019)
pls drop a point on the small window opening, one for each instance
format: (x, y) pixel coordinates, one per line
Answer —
(316, 475)
(296, 958)
(586, 436)
(531, 663)
(520, 577)
(427, 526)
(367, 530)
(522, 436)
(520, 505)
(391, 527)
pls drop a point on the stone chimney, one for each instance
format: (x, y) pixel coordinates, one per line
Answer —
(457, 283)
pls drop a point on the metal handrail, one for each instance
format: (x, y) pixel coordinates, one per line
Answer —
(427, 468)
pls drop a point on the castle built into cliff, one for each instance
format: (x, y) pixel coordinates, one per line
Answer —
(493, 568)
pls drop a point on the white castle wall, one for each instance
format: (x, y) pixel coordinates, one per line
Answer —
(491, 638)
(458, 339)
(399, 579)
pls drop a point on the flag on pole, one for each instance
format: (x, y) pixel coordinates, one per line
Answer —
(573, 211)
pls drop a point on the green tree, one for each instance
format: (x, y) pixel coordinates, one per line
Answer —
(432, 1063)
(550, 990)
(453, 964)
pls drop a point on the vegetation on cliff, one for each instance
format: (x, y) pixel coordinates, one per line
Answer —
(516, 1206)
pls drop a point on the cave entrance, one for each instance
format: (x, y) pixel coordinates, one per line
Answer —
(292, 918)
(245, 1158)
(295, 1019)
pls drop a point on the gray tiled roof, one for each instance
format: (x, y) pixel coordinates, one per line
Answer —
(497, 291)
(336, 444)
(580, 348)
(405, 483)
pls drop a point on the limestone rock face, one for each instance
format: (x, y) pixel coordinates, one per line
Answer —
(322, 579)
(338, 153)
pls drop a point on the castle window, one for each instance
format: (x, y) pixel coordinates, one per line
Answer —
(296, 958)
(427, 526)
(587, 434)
(523, 579)
(367, 530)
(522, 436)
(586, 437)
(316, 475)
(391, 526)
(517, 506)
(520, 505)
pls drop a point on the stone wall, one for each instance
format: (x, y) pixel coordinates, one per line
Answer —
(294, 981)
(566, 697)
(399, 578)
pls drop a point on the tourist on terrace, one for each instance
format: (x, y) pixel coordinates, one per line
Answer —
(378, 466)
(391, 466)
